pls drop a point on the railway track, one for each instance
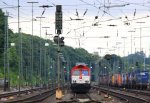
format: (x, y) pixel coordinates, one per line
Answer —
(138, 93)
(146, 93)
(17, 92)
(34, 98)
(130, 98)
(93, 96)
(80, 98)
(142, 92)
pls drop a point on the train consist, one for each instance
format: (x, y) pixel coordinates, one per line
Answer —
(133, 80)
(80, 78)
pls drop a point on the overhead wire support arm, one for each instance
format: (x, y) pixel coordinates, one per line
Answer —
(44, 7)
(112, 6)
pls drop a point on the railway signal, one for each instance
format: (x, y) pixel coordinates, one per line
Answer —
(58, 19)
(62, 41)
(59, 40)
(56, 38)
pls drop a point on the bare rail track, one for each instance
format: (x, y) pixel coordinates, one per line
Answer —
(33, 99)
(123, 95)
(80, 98)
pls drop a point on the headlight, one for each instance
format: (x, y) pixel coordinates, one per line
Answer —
(74, 81)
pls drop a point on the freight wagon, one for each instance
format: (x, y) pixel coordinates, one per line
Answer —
(135, 80)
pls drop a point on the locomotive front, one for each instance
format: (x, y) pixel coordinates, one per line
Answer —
(80, 78)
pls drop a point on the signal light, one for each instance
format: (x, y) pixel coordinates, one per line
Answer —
(56, 38)
(58, 19)
(60, 40)
(62, 43)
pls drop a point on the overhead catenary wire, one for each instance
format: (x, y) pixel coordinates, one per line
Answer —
(97, 8)
(137, 4)
(81, 8)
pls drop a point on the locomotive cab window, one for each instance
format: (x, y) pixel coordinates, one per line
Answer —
(76, 73)
(84, 72)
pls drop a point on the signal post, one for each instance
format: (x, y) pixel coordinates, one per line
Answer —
(59, 41)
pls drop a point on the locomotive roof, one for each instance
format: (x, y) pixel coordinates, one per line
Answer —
(81, 66)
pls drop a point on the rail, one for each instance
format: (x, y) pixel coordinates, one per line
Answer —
(125, 96)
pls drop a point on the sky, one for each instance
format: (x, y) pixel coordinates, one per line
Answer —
(126, 22)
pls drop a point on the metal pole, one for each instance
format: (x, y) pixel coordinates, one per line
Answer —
(45, 66)
(58, 63)
(53, 74)
(32, 46)
(118, 50)
(4, 61)
(99, 50)
(149, 51)
(32, 51)
(131, 39)
(140, 35)
(131, 43)
(7, 36)
(45, 60)
(59, 31)
(20, 48)
(40, 71)
(124, 48)
(20, 36)
(124, 52)
(144, 60)
(40, 74)
(5, 52)
(68, 63)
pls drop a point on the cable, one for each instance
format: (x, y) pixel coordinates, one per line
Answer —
(97, 8)
(139, 4)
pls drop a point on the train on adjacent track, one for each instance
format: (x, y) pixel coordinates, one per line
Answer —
(80, 78)
(132, 80)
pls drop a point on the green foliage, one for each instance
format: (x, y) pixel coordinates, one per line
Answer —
(13, 58)
(118, 64)
(77, 55)
(2, 26)
(13, 79)
(47, 53)
(35, 44)
(1, 74)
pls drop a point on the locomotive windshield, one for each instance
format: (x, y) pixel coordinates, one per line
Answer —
(76, 73)
(84, 72)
